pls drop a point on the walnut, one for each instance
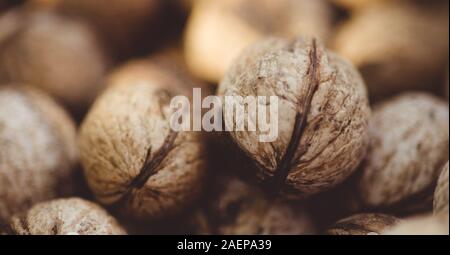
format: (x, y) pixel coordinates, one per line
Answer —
(37, 149)
(59, 55)
(409, 146)
(363, 224)
(397, 46)
(440, 203)
(219, 30)
(134, 162)
(69, 216)
(239, 208)
(421, 225)
(324, 114)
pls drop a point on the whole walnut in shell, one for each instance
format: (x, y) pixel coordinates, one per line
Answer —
(242, 209)
(440, 202)
(323, 114)
(69, 216)
(421, 225)
(409, 146)
(37, 149)
(133, 160)
(59, 55)
(219, 30)
(363, 224)
(397, 46)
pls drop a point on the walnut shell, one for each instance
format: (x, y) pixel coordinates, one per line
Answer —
(241, 209)
(70, 216)
(37, 149)
(363, 224)
(440, 203)
(133, 161)
(56, 54)
(321, 95)
(396, 46)
(217, 31)
(409, 146)
(421, 225)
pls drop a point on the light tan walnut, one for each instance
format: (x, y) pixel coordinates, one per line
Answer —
(409, 146)
(363, 224)
(397, 46)
(323, 114)
(217, 31)
(69, 216)
(134, 162)
(440, 202)
(421, 225)
(37, 149)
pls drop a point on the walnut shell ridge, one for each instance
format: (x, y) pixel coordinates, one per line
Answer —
(363, 224)
(133, 160)
(409, 146)
(68, 216)
(37, 149)
(323, 114)
(440, 202)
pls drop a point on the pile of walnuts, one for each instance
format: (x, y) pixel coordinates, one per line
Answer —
(86, 138)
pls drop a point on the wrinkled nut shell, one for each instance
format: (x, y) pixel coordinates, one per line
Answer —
(421, 225)
(319, 93)
(133, 161)
(396, 46)
(241, 209)
(37, 149)
(71, 216)
(56, 54)
(210, 51)
(363, 224)
(409, 146)
(440, 203)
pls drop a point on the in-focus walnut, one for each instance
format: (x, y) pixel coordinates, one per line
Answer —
(440, 202)
(363, 224)
(324, 114)
(69, 216)
(409, 146)
(239, 208)
(56, 54)
(421, 225)
(133, 160)
(397, 46)
(121, 23)
(219, 30)
(37, 149)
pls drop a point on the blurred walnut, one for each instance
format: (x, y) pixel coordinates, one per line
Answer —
(397, 46)
(219, 30)
(421, 225)
(323, 114)
(409, 146)
(134, 162)
(363, 224)
(37, 149)
(59, 55)
(238, 208)
(440, 203)
(71, 216)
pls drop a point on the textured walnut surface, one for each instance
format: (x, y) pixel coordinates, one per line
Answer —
(132, 160)
(71, 216)
(59, 55)
(323, 113)
(37, 149)
(409, 146)
(421, 225)
(210, 51)
(363, 224)
(240, 208)
(397, 46)
(440, 203)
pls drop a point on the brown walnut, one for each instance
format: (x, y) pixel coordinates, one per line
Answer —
(37, 149)
(323, 114)
(421, 225)
(440, 202)
(409, 146)
(69, 216)
(363, 224)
